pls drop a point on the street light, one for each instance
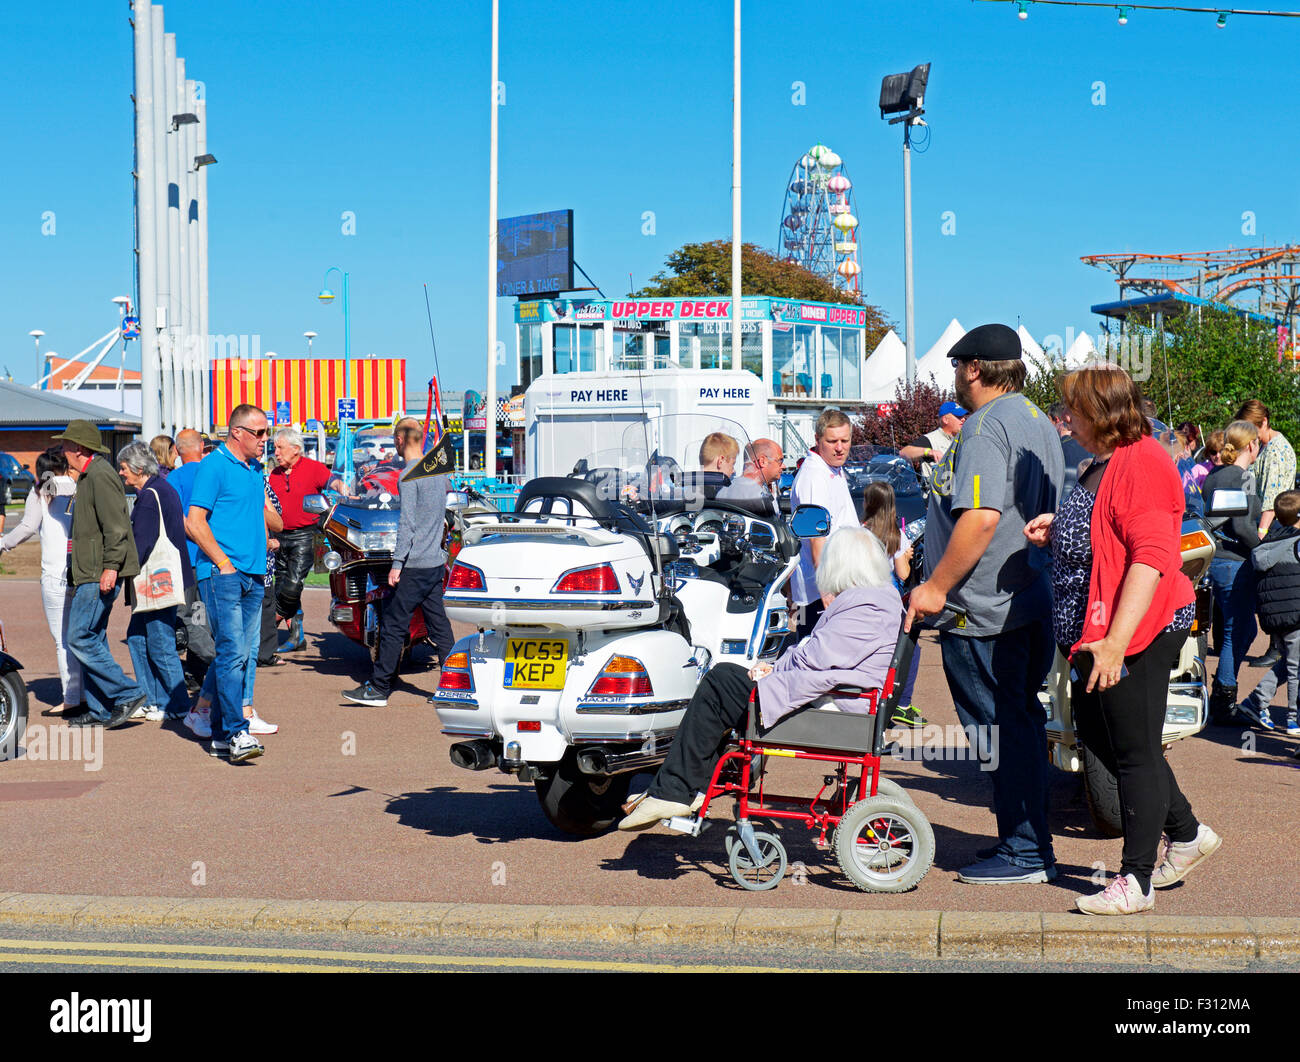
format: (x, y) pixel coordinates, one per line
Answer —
(904, 94)
(309, 336)
(36, 334)
(123, 303)
(327, 296)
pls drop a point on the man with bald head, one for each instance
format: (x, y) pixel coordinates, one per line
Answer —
(763, 459)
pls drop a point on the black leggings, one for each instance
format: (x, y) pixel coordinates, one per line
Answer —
(719, 706)
(1122, 727)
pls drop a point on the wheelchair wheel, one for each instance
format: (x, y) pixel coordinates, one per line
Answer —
(761, 876)
(884, 844)
(887, 787)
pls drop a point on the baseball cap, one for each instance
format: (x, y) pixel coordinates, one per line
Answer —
(953, 408)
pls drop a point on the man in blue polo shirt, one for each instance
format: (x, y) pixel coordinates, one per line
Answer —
(225, 521)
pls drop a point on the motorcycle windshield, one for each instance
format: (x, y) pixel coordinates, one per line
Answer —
(686, 460)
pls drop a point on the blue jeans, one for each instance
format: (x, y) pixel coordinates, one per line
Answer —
(234, 606)
(151, 638)
(1233, 582)
(994, 683)
(106, 684)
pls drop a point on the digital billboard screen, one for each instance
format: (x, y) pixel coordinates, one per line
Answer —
(535, 253)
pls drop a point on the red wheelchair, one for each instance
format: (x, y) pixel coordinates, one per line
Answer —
(881, 839)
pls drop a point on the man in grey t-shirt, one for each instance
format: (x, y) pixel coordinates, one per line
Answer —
(1003, 469)
(416, 575)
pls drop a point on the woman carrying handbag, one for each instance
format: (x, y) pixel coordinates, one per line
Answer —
(159, 531)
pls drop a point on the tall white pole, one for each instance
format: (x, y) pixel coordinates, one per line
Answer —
(146, 179)
(192, 260)
(735, 195)
(490, 443)
(159, 314)
(907, 252)
(170, 231)
(176, 216)
(205, 345)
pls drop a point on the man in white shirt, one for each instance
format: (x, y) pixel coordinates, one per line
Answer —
(821, 481)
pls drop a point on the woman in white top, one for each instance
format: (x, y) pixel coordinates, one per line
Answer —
(49, 512)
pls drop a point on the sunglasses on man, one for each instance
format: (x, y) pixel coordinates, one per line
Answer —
(259, 434)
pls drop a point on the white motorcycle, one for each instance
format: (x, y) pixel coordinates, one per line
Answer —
(600, 603)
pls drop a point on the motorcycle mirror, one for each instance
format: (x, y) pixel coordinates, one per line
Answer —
(316, 503)
(811, 521)
(1228, 503)
(456, 500)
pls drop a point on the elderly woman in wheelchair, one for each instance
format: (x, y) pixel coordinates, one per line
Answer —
(851, 645)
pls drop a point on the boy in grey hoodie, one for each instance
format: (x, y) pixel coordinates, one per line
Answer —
(1276, 561)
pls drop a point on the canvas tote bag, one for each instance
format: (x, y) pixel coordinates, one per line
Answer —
(160, 583)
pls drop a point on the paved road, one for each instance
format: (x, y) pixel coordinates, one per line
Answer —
(355, 803)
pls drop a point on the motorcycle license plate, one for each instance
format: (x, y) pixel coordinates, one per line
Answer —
(536, 663)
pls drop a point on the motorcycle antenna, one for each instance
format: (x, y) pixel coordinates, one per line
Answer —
(437, 369)
(650, 494)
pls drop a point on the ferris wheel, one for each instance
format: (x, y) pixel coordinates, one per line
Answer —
(819, 230)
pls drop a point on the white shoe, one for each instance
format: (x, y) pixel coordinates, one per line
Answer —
(243, 746)
(258, 725)
(199, 724)
(150, 712)
(650, 811)
(1175, 861)
(1121, 897)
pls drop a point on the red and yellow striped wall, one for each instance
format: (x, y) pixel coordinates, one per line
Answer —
(310, 387)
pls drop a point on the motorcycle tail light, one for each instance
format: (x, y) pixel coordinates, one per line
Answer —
(622, 676)
(529, 726)
(455, 673)
(598, 580)
(465, 577)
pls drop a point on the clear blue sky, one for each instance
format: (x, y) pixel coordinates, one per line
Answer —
(614, 109)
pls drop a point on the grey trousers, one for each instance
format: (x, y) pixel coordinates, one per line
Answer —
(1286, 669)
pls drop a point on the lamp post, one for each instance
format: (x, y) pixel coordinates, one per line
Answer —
(905, 93)
(327, 296)
(309, 336)
(123, 303)
(36, 334)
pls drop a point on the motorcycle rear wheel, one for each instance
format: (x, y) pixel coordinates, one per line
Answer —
(13, 714)
(1101, 788)
(581, 804)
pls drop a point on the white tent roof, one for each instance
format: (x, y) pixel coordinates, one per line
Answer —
(1034, 353)
(1081, 351)
(935, 362)
(885, 366)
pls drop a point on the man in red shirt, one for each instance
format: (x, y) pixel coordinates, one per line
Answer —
(293, 478)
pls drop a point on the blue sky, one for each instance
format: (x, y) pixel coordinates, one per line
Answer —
(614, 109)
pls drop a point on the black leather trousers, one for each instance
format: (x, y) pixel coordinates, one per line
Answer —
(293, 562)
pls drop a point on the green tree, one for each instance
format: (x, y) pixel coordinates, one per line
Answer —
(705, 269)
(913, 412)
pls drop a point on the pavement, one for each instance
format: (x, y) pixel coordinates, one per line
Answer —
(356, 820)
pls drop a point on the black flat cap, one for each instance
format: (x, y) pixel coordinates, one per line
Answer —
(991, 342)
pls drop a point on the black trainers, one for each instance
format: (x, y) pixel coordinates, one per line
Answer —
(366, 694)
(906, 715)
(123, 713)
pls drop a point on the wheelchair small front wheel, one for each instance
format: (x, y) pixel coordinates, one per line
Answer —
(884, 844)
(767, 872)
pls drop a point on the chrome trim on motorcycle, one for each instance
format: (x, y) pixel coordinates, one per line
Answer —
(614, 708)
(542, 605)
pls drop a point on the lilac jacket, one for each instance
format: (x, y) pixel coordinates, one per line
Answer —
(851, 645)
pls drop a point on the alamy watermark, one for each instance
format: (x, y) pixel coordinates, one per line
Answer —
(64, 744)
(952, 743)
(1132, 353)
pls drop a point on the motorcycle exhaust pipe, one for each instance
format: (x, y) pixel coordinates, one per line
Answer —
(473, 755)
(604, 762)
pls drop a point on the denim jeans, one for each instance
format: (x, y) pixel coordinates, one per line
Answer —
(106, 685)
(1234, 592)
(151, 638)
(1286, 672)
(234, 606)
(994, 683)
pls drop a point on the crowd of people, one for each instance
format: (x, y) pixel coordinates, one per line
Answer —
(1045, 532)
(210, 558)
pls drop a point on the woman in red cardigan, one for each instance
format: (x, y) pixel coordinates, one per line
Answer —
(1122, 608)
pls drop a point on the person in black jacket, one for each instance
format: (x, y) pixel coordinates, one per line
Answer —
(1231, 575)
(1276, 561)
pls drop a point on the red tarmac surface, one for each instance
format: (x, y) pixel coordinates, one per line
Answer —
(358, 803)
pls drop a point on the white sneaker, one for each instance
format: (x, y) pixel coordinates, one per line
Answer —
(150, 712)
(243, 746)
(1121, 897)
(1175, 861)
(199, 724)
(258, 725)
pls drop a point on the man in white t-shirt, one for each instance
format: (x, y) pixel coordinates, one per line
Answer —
(930, 447)
(821, 481)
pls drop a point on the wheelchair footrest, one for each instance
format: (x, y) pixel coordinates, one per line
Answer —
(692, 824)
